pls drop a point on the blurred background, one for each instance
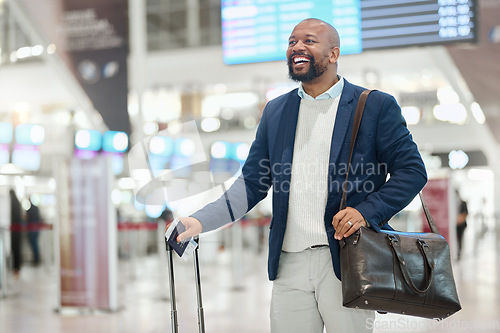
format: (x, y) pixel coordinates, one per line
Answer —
(117, 116)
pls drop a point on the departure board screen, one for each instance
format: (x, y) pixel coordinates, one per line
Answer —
(258, 30)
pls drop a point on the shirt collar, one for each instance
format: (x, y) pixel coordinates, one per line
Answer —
(333, 92)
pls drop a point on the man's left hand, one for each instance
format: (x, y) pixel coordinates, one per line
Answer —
(347, 221)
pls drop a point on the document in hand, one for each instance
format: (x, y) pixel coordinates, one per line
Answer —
(185, 248)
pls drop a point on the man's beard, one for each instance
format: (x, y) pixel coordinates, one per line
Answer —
(315, 71)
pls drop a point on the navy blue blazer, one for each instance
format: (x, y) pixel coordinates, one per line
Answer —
(383, 146)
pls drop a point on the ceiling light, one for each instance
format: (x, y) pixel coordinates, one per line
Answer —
(250, 122)
(457, 159)
(157, 145)
(36, 50)
(412, 114)
(23, 52)
(150, 128)
(51, 48)
(446, 95)
(453, 113)
(477, 112)
(219, 149)
(210, 124)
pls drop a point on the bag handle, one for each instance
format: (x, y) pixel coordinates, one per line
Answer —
(424, 248)
(355, 127)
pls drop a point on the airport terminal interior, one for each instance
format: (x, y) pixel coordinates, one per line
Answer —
(118, 116)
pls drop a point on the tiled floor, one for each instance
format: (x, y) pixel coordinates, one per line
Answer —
(230, 308)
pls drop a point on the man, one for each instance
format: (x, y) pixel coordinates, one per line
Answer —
(16, 240)
(461, 221)
(301, 150)
(34, 219)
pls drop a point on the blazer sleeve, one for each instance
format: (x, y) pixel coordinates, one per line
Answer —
(249, 188)
(399, 153)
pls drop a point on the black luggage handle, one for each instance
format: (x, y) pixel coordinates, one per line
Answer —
(201, 314)
(173, 312)
(173, 303)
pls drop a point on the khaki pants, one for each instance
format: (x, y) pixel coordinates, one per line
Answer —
(307, 297)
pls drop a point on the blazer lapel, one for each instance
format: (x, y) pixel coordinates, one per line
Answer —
(288, 123)
(342, 122)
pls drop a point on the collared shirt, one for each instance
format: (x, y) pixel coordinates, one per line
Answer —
(333, 92)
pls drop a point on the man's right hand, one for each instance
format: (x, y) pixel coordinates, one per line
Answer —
(193, 228)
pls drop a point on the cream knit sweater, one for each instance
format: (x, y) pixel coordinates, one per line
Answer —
(309, 179)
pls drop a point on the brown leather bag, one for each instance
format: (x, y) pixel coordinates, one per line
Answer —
(399, 272)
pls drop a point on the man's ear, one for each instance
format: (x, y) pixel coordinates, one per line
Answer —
(335, 53)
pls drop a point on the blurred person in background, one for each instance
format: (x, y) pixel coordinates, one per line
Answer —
(461, 221)
(313, 124)
(34, 220)
(15, 234)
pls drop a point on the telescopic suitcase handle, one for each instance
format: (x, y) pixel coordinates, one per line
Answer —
(173, 311)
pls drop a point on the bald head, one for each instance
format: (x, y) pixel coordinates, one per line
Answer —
(312, 54)
(333, 35)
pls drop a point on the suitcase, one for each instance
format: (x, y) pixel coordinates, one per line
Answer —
(173, 312)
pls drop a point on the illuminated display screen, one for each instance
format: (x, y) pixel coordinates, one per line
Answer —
(30, 134)
(116, 142)
(258, 30)
(88, 140)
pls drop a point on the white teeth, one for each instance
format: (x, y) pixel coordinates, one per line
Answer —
(299, 59)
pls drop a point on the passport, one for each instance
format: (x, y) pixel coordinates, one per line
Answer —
(175, 229)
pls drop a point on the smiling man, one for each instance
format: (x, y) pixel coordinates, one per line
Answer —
(301, 150)
(310, 50)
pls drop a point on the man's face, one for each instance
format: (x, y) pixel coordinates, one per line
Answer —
(309, 51)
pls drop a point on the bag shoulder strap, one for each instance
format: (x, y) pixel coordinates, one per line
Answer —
(355, 127)
(428, 215)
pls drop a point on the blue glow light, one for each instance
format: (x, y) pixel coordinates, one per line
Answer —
(161, 145)
(88, 140)
(220, 149)
(154, 211)
(115, 142)
(30, 134)
(184, 147)
(6, 132)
